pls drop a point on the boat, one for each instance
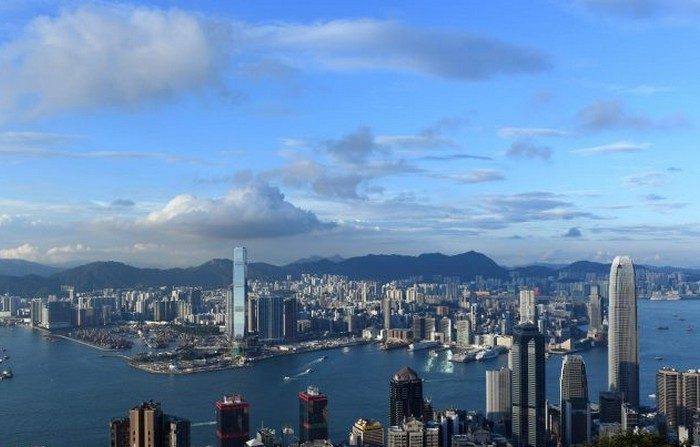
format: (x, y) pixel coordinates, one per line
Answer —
(286, 378)
(421, 345)
(672, 295)
(658, 357)
(652, 396)
(324, 357)
(662, 328)
(463, 357)
(6, 374)
(486, 354)
(433, 353)
(7, 357)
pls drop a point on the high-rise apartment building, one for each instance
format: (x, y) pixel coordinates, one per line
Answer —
(575, 406)
(413, 433)
(677, 397)
(498, 395)
(528, 387)
(147, 426)
(232, 421)
(623, 335)
(595, 312)
(291, 315)
(386, 311)
(464, 333)
(368, 432)
(406, 396)
(271, 317)
(528, 307)
(313, 415)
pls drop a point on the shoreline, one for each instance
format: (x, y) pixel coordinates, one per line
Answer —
(115, 353)
(215, 368)
(75, 340)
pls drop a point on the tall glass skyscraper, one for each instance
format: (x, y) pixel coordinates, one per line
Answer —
(237, 296)
(528, 393)
(623, 332)
(575, 410)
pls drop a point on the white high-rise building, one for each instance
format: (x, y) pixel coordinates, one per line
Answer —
(498, 403)
(528, 307)
(237, 295)
(623, 331)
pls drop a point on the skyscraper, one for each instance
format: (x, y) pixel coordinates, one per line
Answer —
(238, 295)
(406, 396)
(313, 415)
(232, 421)
(498, 395)
(575, 409)
(368, 433)
(271, 317)
(595, 314)
(623, 337)
(147, 426)
(677, 397)
(386, 311)
(528, 387)
(291, 311)
(528, 306)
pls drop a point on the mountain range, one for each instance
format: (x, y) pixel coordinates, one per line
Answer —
(30, 279)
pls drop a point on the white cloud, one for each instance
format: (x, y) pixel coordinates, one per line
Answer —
(24, 251)
(478, 176)
(366, 44)
(70, 249)
(529, 132)
(97, 56)
(612, 148)
(253, 211)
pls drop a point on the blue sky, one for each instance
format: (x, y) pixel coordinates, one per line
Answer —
(164, 133)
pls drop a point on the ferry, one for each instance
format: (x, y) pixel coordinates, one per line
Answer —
(668, 296)
(423, 344)
(6, 374)
(463, 357)
(486, 354)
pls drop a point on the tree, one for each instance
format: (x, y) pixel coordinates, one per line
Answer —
(632, 440)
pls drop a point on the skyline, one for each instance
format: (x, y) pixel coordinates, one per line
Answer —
(373, 129)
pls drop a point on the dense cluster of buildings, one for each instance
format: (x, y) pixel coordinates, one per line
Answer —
(530, 317)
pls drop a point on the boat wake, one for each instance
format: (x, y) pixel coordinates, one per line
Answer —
(307, 371)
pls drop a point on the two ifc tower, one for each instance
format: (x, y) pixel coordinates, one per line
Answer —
(527, 377)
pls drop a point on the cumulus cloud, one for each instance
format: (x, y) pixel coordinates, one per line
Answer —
(253, 211)
(607, 115)
(367, 44)
(643, 9)
(96, 56)
(530, 132)
(612, 148)
(573, 232)
(25, 251)
(528, 149)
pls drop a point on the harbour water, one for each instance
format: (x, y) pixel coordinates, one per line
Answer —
(64, 394)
